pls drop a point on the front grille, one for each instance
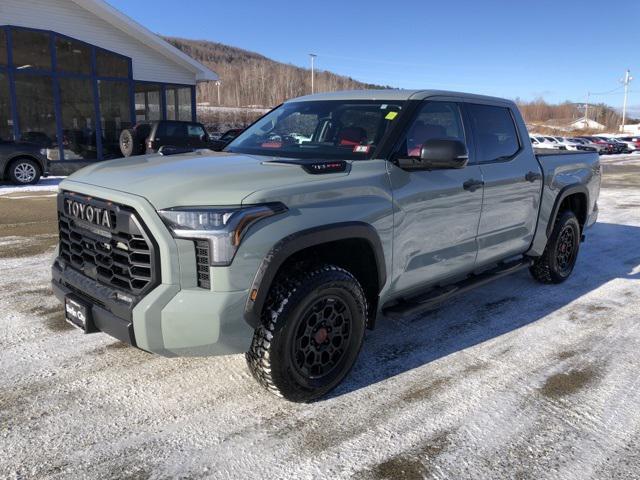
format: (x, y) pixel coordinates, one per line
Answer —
(202, 263)
(121, 257)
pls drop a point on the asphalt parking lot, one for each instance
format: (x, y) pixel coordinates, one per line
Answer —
(514, 380)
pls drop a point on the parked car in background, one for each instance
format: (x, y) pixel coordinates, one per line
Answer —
(148, 137)
(574, 145)
(540, 141)
(633, 143)
(608, 147)
(600, 148)
(553, 141)
(225, 139)
(22, 163)
(616, 146)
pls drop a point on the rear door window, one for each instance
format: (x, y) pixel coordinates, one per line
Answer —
(495, 132)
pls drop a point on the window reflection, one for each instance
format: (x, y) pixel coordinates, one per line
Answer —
(111, 65)
(178, 103)
(73, 56)
(78, 119)
(115, 111)
(31, 49)
(6, 121)
(148, 102)
(3, 48)
(36, 113)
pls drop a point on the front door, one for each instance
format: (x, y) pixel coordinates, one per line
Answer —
(436, 212)
(512, 183)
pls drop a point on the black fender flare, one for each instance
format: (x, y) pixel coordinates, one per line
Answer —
(298, 241)
(564, 193)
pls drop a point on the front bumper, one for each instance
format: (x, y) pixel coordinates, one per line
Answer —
(176, 318)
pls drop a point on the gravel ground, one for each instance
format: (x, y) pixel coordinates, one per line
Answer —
(514, 380)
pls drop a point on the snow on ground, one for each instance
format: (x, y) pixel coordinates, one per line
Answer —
(49, 184)
(513, 380)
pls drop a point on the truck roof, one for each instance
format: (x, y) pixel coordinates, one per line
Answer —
(394, 94)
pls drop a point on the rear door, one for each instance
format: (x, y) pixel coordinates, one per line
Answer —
(512, 182)
(436, 213)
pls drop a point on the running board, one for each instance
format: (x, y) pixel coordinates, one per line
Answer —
(430, 298)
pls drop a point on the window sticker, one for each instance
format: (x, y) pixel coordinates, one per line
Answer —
(391, 115)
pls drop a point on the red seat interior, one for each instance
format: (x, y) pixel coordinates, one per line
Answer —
(351, 136)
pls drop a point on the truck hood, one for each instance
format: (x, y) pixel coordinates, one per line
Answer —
(192, 179)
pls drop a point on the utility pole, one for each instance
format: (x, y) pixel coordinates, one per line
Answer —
(627, 78)
(586, 111)
(313, 58)
(218, 82)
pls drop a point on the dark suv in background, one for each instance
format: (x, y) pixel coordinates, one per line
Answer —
(22, 163)
(149, 137)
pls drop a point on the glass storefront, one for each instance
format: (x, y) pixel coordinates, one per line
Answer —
(178, 103)
(73, 98)
(6, 120)
(78, 119)
(148, 105)
(115, 112)
(36, 111)
(3, 48)
(73, 56)
(31, 49)
(111, 65)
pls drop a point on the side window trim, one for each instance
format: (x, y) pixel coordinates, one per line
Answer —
(510, 158)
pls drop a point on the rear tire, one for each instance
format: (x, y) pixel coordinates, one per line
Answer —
(312, 331)
(130, 144)
(24, 171)
(559, 257)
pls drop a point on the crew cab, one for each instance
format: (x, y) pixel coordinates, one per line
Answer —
(329, 214)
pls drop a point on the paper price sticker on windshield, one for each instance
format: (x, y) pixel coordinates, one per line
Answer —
(391, 115)
(361, 149)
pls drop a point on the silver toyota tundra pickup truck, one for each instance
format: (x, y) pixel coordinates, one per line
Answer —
(329, 212)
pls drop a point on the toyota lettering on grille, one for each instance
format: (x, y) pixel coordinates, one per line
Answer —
(89, 213)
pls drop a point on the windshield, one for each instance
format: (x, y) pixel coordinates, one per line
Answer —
(335, 129)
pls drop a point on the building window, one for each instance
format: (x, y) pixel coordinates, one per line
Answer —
(73, 56)
(78, 119)
(31, 49)
(178, 103)
(36, 114)
(3, 48)
(111, 65)
(115, 111)
(6, 121)
(148, 102)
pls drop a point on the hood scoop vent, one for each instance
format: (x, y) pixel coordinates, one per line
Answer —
(314, 167)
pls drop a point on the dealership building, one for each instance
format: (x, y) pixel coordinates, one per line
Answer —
(75, 73)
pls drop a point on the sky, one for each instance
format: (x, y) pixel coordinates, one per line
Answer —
(558, 50)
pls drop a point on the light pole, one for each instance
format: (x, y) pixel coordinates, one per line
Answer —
(313, 58)
(218, 82)
(627, 78)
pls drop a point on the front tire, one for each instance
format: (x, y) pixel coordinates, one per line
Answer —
(559, 257)
(24, 171)
(312, 331)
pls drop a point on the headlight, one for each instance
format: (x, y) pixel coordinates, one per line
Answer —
(222, 227)
(43, 152)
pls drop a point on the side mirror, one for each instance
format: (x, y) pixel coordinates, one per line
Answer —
(438, 154)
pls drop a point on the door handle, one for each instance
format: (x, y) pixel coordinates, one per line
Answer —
(532, 176)
(472, 184)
